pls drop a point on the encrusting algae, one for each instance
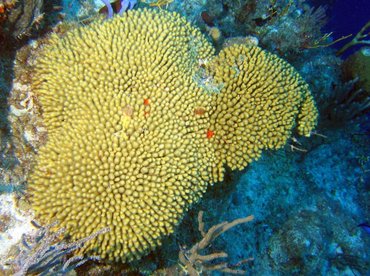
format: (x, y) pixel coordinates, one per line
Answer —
(142, 117)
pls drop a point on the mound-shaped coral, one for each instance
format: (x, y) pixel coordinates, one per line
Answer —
(142, 117)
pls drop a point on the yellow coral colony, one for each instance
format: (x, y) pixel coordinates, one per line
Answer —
(258, 105)
(142, 117)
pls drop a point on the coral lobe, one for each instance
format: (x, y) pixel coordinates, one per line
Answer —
(127, 105)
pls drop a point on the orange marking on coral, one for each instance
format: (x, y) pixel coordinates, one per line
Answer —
(2, 10)
(210, 134)
(146, 102)
(199, 111)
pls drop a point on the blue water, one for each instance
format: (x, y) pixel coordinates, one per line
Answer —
(346, 17)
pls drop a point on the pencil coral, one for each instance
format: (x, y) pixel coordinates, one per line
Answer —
(141, 118)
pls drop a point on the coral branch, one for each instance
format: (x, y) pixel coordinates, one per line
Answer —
(357, 40)
(320, 43)
(201, 224)
(194, 263)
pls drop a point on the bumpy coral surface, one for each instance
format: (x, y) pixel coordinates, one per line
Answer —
(142, 117)
(257, 108)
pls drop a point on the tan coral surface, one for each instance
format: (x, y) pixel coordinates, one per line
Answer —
(142, 117)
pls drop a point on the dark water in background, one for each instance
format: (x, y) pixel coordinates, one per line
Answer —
(345, 17)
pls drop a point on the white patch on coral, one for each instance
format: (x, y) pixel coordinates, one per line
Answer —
(252, 40)
(27, 103)
(19, 224)
(29, 136)
(19, 86)
(17, 112)
(34, 44)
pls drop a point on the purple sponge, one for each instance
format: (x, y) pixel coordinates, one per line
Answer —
(109, 7)
(127, 5)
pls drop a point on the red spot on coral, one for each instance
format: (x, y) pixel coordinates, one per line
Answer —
(210, 134)
(146, 102)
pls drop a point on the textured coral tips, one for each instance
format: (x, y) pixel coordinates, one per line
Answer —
(138, 127)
